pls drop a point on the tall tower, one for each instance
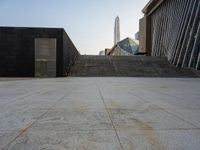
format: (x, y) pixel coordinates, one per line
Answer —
(117, 31)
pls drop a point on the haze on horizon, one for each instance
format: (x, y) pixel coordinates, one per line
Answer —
(89, 23)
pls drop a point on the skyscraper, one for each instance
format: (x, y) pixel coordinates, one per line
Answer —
(117, 31)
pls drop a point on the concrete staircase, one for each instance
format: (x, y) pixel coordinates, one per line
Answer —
(127, 66)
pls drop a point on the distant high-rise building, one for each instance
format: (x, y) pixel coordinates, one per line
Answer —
(117, 31)
(102, 53)
(137, 36)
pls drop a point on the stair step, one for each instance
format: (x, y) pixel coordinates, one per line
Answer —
(127, 66)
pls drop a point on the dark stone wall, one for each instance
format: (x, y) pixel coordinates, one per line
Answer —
(17, 50)
(70, 53)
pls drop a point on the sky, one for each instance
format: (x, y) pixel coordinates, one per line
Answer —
(89, 23)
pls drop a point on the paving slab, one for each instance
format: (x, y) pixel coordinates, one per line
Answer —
(7, 136)
(76, 119)
(148, 118)
(66, 140)
(100, 114)
(159, 139)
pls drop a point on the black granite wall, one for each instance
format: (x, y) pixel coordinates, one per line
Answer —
(17, 50)
(70, 53)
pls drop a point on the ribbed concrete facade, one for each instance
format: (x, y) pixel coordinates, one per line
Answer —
(175, 31)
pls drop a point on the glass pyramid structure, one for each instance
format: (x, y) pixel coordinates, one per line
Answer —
(129, 46)
(126, 47)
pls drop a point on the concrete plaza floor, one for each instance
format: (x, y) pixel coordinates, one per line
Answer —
(100, 114)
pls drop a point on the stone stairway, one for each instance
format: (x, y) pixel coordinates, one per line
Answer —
(127, 66)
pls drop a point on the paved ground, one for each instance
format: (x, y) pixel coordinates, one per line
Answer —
(100, 114)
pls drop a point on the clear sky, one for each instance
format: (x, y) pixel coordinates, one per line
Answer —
(89, 23)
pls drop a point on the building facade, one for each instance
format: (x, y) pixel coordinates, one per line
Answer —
(35, 52)
(137, 36)
(102, 53)
(171, 28)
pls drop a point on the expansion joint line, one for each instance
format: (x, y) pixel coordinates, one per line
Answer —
(113, 126)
